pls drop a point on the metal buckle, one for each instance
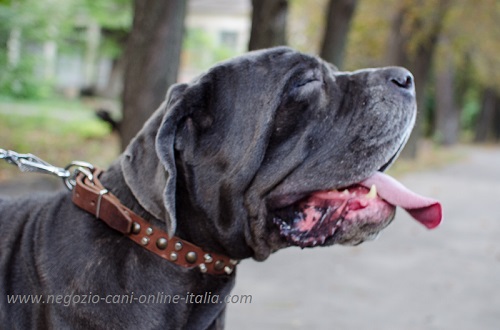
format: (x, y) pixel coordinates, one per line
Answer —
(85, 168)
(98, 208)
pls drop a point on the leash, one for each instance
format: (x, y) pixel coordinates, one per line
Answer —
(89, 194)
(31, 163)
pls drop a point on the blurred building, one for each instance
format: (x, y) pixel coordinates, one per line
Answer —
(215, 30)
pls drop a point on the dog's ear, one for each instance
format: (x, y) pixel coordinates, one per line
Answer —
(185, 115)
(148, 178)
(215, 136)
(165, 150)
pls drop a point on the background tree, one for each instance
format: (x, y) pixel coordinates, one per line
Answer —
(488, 122)
(447, 126)
(338, 23)
(114, 30)
(451, 47)
(269, 21)
(152, 57)
(414, 36)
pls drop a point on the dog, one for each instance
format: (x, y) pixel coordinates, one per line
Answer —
(268, 150)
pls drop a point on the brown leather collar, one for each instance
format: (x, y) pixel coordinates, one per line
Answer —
(90, 195)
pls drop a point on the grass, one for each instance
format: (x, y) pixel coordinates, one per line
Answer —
(57, 131)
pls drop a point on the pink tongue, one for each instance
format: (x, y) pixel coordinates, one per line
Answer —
(426, 210)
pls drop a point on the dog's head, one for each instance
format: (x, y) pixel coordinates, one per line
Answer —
(271, 149)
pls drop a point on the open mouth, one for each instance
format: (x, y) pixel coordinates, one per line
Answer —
(353, 214)
(318, 217)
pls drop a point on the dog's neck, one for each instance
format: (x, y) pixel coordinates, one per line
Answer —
(194, 229)
(114, 181)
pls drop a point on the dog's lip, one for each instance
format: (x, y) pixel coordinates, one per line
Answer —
(288, 199)
(275, 202)
(278, 202)
(393, 158)
(318, 218)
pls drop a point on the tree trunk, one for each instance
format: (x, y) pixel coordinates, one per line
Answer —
(496, 120)
(488, 122)
(416, 55)
(269, 19)
(338, 23)
(152, 58)
(114, 87)
(447, 111)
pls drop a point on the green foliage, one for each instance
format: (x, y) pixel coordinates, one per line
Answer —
(115, 19)
(201, 50)
(115, 14)
(60, 22)
(20, 82)
(35, 22)
(39, 20)
(470, 109)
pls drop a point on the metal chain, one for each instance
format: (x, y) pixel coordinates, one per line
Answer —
(32, 163)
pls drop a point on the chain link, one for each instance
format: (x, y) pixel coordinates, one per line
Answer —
(32, 163)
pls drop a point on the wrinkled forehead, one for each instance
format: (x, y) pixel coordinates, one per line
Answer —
(275, 64)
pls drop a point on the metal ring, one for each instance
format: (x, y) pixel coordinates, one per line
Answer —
(79, 163)
(70, 181)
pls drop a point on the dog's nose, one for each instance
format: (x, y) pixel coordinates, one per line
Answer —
(400, 77)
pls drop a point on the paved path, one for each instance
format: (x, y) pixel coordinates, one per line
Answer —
(410, 279)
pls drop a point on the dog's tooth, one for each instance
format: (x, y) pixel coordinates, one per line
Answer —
(345, 192)
(372, 193)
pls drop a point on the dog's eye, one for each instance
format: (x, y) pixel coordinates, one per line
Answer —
(306, 89)
(305, 82)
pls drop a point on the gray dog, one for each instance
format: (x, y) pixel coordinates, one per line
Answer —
(271, 149)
